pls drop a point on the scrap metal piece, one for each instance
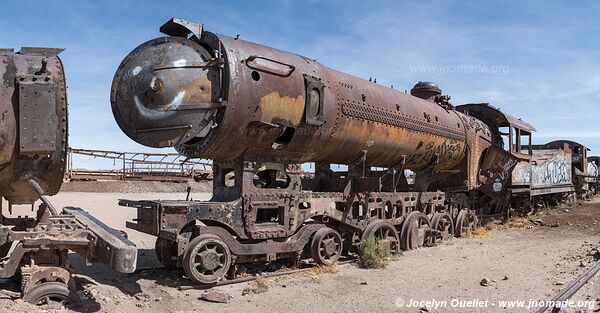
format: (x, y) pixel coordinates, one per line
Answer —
(181, 28)
(41, 51)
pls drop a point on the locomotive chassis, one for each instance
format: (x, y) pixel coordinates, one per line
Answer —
(266, 224)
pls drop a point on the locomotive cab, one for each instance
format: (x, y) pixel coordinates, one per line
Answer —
(508, 132)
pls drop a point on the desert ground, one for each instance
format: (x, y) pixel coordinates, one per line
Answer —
(521, 262)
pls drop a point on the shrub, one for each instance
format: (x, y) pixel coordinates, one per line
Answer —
(372, 254)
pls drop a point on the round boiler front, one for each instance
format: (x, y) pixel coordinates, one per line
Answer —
(166, 92)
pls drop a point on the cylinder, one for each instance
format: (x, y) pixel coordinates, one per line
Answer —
(219, 97)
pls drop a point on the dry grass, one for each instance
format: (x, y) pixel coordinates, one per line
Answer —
(372, 254)
(316, 273)
(483, 231)
(261, 283)
(518, 222)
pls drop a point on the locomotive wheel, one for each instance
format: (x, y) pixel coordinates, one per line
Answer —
(466, 222)
(51, 295)
(442, 222)
(385, 233)
(326, 246)
(206, 259)
(414, 231)
(166, 252)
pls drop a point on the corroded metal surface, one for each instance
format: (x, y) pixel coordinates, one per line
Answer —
(33, 131)
(218, 97)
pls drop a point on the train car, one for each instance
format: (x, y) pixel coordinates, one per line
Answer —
(594, 173)
(578, 167)
(33, 148)
(259, 113)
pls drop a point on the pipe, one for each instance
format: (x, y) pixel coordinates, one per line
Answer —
(38, 189)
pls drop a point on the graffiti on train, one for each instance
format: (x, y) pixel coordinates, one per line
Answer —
(592, 169)
(555, 171)
(522, 174)
(448, 150)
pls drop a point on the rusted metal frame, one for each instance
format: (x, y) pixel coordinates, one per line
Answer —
(165, 164)
(9, 266)
(111, 246)
(423, 177)
(295, 243)
(398, 167)
(358, 167)
(119, 155)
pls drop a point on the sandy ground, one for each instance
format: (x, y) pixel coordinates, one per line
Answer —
(131, 186)
(520, 265)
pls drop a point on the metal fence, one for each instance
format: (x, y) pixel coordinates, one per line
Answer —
(138, 166)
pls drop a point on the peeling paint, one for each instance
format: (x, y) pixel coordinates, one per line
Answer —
(275, 108)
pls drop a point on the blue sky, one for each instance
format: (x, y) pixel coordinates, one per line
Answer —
(536, 60)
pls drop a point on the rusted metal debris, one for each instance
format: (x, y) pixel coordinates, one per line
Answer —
(259, 113)
(33, 149)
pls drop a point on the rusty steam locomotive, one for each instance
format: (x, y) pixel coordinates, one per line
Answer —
(259, 113)
(33, 146)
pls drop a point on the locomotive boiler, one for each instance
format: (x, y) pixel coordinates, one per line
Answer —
(259, 113)
(33, 148)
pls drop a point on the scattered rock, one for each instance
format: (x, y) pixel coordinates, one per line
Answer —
(142, 296)
(484, 282)
(254, 290)
(215, 296)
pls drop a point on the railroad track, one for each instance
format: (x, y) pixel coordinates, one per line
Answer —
(572, 288)
(255, 277)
